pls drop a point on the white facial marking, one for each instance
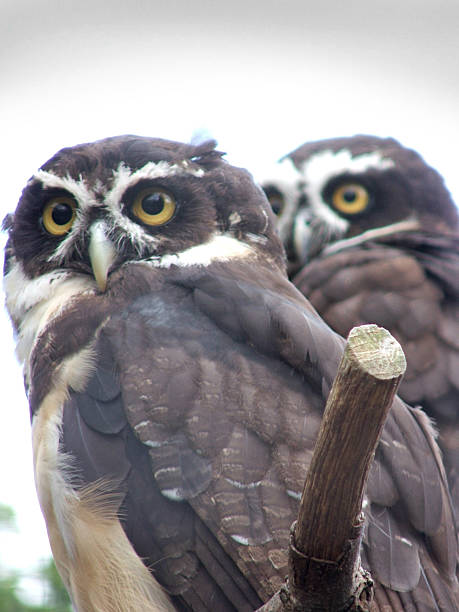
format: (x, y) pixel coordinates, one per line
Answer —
(407, 225)
(124, 177)
(85, 199)
(286, 179)
(78, 188)
(336, 223)
(67, 243)
(219, 248)
(323, 166)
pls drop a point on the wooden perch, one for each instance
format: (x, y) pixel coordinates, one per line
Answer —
(324, 570)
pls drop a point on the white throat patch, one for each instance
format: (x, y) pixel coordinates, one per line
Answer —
(220, 247)
(33, 302)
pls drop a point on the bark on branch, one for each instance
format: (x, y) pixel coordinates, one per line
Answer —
(324, 570)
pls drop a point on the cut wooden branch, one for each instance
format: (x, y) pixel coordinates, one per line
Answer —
(324, 559)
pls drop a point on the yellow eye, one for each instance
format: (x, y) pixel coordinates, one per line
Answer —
(154, 206)
(59, 215)
(350, 198)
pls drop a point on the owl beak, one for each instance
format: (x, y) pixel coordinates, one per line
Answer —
(102, 253)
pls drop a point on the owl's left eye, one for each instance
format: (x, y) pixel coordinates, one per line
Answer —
(58, 215)
(154, 206)
(350, 198)
(277, 203)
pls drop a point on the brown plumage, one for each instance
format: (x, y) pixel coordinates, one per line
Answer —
(394, 263)
(176, 380)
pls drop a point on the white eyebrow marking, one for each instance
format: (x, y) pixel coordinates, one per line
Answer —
(322, 166)
(78, 188)
(124, 177)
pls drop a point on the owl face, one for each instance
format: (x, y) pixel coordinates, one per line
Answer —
(94, 207)
(361, 186)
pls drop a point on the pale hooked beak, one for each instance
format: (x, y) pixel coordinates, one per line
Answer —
(302, 234)
(102, 253)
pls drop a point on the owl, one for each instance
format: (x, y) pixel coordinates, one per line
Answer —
(176, 382)
(373, 236)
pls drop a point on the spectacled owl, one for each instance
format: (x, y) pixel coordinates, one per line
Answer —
(373, 236)
(176, 382)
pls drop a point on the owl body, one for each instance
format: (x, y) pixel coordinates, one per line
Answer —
(176, 382)
(374, 238)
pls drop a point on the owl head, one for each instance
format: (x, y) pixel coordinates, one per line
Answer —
(95, 207)
(355, 186)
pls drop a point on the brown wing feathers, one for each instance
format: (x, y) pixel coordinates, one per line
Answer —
(234, 456)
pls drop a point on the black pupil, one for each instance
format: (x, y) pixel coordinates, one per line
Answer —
(153, 204)
(276, 205)
(350, 195)
(62, 213)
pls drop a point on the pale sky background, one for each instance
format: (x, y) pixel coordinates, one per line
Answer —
(261, 77)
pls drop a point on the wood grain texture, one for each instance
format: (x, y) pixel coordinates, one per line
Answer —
(360, 398)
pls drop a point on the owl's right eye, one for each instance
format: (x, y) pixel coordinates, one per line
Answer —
(59, 215)
(277, 204)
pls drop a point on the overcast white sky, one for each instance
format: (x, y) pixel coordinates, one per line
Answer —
(261, 77)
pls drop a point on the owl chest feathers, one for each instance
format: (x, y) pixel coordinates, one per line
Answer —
(52, 372)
